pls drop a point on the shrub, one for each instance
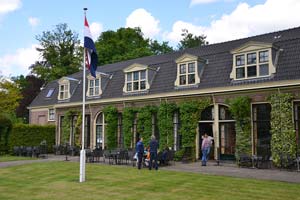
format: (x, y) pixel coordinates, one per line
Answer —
(5, 129)
(32, 135)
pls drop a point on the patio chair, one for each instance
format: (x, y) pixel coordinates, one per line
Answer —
(244, 160)
(16, 151)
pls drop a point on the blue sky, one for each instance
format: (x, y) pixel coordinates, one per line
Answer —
(220, 20)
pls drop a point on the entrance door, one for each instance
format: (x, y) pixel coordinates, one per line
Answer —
(205, 127)
(227, 140)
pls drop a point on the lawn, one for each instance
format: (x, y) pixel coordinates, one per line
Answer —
(59, 180)
(6, 158)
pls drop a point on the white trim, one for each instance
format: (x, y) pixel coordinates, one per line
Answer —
(186, 59)
(91, 78)
(271, 67)
(51, 120)
(66, 92)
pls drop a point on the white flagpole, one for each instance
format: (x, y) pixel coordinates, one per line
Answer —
(82, 152)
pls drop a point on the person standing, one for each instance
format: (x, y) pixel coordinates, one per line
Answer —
(210, 139)
(204, 147)
(140, 152)
(153, 152)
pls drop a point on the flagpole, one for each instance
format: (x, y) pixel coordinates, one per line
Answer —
(82, 152)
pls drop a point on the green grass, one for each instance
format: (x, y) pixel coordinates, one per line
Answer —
(59, 180)
(7, 158)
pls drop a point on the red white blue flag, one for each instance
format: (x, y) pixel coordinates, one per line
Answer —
(90, 50)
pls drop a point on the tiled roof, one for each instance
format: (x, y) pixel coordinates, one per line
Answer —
(216, 72)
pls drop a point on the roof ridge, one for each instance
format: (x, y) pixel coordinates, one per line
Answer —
(253, 36)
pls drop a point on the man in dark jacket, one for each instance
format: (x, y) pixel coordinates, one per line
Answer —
(153, 152)
(140, 152)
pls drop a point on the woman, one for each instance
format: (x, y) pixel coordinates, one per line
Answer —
(204, 147)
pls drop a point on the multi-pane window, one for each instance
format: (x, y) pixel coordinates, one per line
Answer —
(94, 87)
(136, 81)
(51, 115)
(64, 91)
(251, 65)
(187, 73)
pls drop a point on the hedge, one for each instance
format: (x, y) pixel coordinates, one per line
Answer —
(32, 135)
(5, 129)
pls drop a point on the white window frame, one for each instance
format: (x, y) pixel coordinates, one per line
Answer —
(257, 64)
(94, 87)
(136, 69)
(64, 89)
(51, 114)
(185, 60)
(252, 48)
(138, 80)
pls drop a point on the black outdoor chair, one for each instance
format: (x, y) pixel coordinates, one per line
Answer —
(106, 154)
(244, 160)
(98, 153)
(89, 155)
(35, 151)
(16, 151)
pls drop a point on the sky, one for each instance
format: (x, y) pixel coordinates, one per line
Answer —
(220, 20)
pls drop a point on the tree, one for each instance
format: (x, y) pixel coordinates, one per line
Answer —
(61, 51)
(125, 44)
(9, 96)
(158, 49)
(29, 87)
(189, 40)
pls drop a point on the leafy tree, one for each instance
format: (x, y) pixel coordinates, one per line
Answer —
(61, 53)
(157, 48)
(125, 44)
(29, 87)
(189, 40)
(9, 96)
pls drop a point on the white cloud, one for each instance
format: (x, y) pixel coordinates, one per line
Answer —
(244, 21)
(7, 6)
(19, 62)
(143, 19)
(195, 2)
(33, 21)
(96, 29)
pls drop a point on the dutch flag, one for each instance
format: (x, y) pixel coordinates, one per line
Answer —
(90, 50)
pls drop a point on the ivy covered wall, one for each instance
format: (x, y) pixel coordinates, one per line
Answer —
(144, 124)
(111, 128)
(283, 142)
(128, 117)
(165, 124)
(240, 108)
(189, 117)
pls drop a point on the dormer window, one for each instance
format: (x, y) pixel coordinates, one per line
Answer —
(94, 86)
(64, 89)
(187, 70)
(136, 81)
(136, 78)
(187, 73)
(252, 60)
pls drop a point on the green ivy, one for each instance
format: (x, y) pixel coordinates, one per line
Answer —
(283, 142)
(240, 108)
(144, 125)
(66, 128)
(111, 119)
(165, 124)
(128, 117)
(189, 116)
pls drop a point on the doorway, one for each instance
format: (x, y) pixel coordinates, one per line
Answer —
(206, 127)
